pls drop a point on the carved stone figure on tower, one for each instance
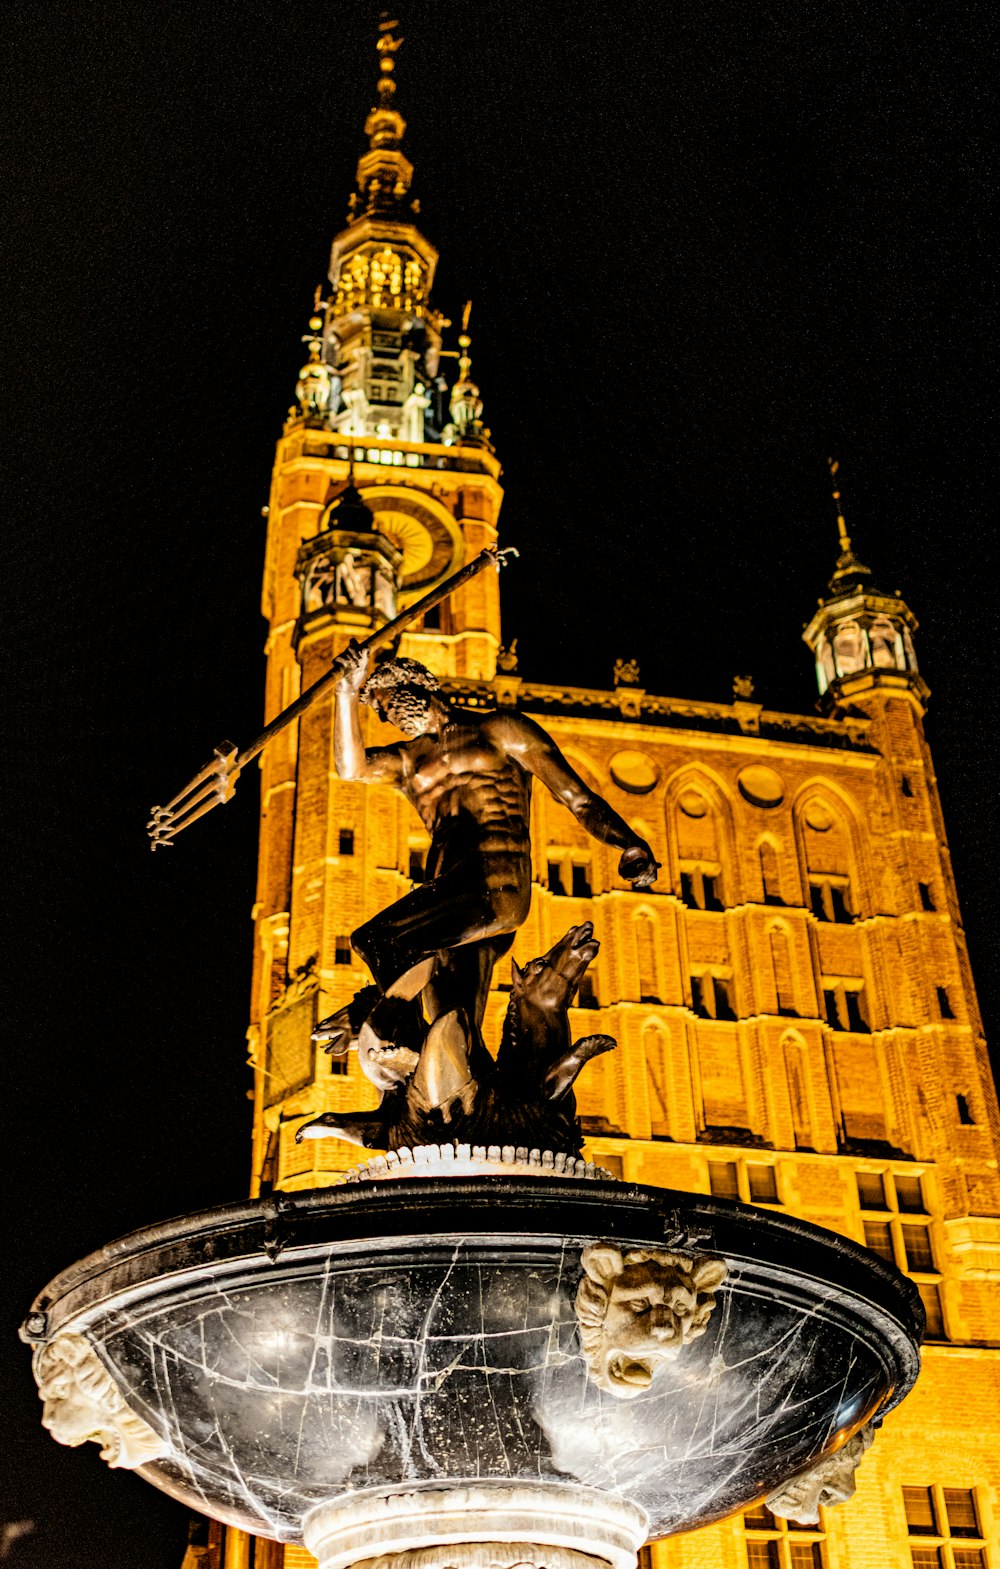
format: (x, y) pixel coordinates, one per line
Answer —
(469, 778)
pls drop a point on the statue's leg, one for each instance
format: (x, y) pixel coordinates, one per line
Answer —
(448, 912)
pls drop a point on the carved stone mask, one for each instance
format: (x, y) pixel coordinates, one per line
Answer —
(831, 1481)
(82, 1403)
(639, 1309)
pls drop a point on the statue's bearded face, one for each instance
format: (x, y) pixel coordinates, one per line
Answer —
(410, 708)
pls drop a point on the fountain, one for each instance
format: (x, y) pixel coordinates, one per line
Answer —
(479, 1350)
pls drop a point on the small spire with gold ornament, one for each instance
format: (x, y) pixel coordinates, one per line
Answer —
(848, 566)
(465, 405)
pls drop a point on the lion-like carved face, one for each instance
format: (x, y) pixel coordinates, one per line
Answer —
(81, 1403)
(637, 1310)
(831, 1481)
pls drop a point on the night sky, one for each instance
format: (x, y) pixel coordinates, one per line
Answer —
(707, 246)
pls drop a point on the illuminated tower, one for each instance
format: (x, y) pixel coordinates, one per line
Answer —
(384, 483)
(796, 1019)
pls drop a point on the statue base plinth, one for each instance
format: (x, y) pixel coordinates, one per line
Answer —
(487, 1525)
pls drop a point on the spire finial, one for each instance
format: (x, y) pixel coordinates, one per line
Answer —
(845, 538)
(848, 569)
(384, 172)
(387, 46)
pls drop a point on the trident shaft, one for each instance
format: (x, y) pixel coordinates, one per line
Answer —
(216, 782)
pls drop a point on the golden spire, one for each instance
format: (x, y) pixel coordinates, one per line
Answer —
(384, 171)
(849, 569)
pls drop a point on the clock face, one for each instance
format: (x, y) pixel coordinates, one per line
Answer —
(427, 535)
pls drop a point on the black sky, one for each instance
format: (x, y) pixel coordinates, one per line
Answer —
(707, 245)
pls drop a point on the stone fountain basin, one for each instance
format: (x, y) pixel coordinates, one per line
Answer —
(295, 1349)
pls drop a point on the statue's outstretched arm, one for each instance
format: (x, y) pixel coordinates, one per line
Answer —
(351, 758)
(523, 739)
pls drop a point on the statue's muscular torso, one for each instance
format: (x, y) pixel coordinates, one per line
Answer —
(465, 779)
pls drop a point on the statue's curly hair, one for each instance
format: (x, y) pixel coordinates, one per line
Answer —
(397, 672)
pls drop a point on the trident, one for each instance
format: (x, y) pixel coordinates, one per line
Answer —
(216, 783)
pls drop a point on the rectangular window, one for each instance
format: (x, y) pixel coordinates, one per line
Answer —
(342, 951)
(843, 1005)
(960, 1508)
(701, 889)
(587, 997)
(763, 1555)
(910, 1195)
(832, 1007)
(581, 880)
(763, 1183)
(759, 1518)
(917, 1247)
(805, 1555)
(724, 1008)
(418, 861)
(950, 1514)
(855, 1018)
(944, 1003)
(926, 897)
(555, 879)
(346, 841)
(339, 1065)
(878, 1237)
(712, 996)
(698, 995)
(871, 1192)
(830, 900)
(712, 897)
(918, 1503)
(723, 1180)
(930, 1296)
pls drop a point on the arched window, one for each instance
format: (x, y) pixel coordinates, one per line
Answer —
(826, 850)
(770, 873)
(645, 942)
(656, 1048)
(781, 965)
(699, 850)
(798, 1095)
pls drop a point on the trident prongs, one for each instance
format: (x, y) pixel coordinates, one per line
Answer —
(214, 785)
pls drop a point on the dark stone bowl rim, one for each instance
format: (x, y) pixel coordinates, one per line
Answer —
(298, 1225)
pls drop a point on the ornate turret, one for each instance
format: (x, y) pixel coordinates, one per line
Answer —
(861, 637)
(347, 571)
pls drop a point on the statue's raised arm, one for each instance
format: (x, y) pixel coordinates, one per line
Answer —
(538, 753)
